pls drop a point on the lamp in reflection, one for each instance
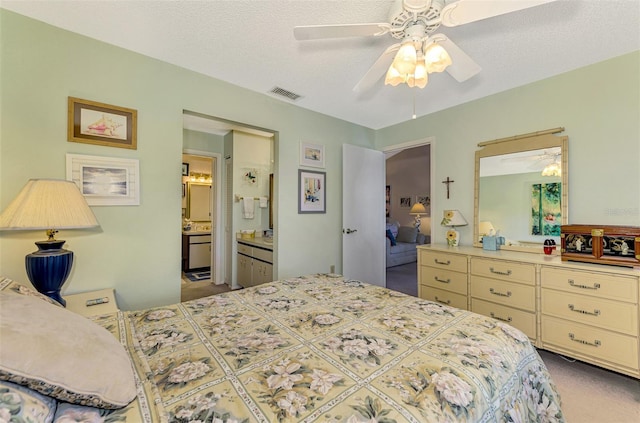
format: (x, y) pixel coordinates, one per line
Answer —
(485, 228)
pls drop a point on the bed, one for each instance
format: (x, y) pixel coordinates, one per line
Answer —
(314, 348)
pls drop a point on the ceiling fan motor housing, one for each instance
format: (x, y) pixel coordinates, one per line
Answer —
(407, 13)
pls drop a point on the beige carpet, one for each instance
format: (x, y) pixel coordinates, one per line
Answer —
(591, 394)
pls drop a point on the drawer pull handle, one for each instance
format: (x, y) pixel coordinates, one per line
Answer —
(508, 319)
(446, 263)
(595, 343)
(446, 302)
(575, 285)
(442, 280)
(498, 272)
(577, 310)
(500, 294)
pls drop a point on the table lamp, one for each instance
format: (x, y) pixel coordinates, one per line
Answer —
(416, 210)
(451, 219)
(49, 204)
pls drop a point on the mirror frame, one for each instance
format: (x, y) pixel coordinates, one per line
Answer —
(526, 142)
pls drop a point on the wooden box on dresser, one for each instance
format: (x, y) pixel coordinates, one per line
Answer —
(581, 310)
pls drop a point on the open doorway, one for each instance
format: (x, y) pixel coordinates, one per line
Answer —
(408, 186)
(222, 143)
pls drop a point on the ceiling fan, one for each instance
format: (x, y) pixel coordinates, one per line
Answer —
(421, 51)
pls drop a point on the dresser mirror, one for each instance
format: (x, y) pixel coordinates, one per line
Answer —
(521, 190)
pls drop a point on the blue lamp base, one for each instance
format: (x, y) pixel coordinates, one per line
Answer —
(49, 267)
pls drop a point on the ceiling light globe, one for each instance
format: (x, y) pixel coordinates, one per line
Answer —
(436, 58)
(405, 60)
(393, 77)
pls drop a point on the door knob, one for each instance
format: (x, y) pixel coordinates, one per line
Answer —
(349, 231)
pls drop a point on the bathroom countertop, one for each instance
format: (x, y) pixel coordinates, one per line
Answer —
(196, 232)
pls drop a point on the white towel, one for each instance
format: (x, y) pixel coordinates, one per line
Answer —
(247, 207)
(263, 202)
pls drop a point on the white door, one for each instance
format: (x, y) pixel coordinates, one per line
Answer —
(363, 214)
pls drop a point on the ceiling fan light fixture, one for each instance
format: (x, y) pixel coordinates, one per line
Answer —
(394, 77)
(420, 75)
(436, 58)
(552, 169)
(405, 60)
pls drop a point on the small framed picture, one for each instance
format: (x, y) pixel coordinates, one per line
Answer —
(90, 122)
(311, 155)
(105, 181)
(185, 169)
(312, 192)
(405, 202)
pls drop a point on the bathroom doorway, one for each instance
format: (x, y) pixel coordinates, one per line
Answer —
(207, 136)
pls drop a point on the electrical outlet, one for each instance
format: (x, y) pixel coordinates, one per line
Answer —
(333, 268)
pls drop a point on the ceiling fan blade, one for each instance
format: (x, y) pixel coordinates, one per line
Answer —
(465, 11)
(462, 66)
(313, 32)
(378, 69)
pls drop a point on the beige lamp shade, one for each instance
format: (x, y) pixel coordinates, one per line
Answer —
(417, 208)
(485, 228)
(453, 218)
(48, 204)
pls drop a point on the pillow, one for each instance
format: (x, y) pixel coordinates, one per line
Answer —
(393, 227)
(421, 238)
(20, 404)
(407, 234)
(7, 284)
(391, 237)
(62, 354)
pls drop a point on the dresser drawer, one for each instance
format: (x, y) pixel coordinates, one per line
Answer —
(245, 249)
(601, 285)
(519, 319)
(506, 293)
(444, 279)
(504, 270)
(583, 339)
(443, 297)
(442, 260)
(606, 314)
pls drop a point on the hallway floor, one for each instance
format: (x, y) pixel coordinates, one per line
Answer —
(403, 278)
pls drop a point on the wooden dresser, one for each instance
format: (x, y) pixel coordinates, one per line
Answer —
(586, 311)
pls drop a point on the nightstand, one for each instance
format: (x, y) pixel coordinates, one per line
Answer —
(78, 302)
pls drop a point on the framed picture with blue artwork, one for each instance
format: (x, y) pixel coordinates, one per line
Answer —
(312, 191)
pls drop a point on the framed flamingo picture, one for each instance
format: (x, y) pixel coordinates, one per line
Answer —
(90, 122)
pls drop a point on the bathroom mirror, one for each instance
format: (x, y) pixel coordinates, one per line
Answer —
(198, 202)
(521, 189)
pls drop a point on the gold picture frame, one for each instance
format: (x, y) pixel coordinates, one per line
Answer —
(90, 122)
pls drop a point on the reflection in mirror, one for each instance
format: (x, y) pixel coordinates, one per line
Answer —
(199, 202)
(521, 190)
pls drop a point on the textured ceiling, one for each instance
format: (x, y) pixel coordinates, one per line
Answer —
(251, 44)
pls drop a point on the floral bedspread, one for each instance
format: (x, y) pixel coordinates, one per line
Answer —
(322, 349)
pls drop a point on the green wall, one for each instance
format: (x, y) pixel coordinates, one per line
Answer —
(137, 250)
(599, 107)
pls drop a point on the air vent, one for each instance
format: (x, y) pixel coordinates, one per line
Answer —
(284, 93)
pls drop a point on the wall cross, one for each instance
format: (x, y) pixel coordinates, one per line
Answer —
(448, 182)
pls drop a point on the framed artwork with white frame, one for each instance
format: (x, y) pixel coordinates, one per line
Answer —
(311, 155)
(105, 181)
